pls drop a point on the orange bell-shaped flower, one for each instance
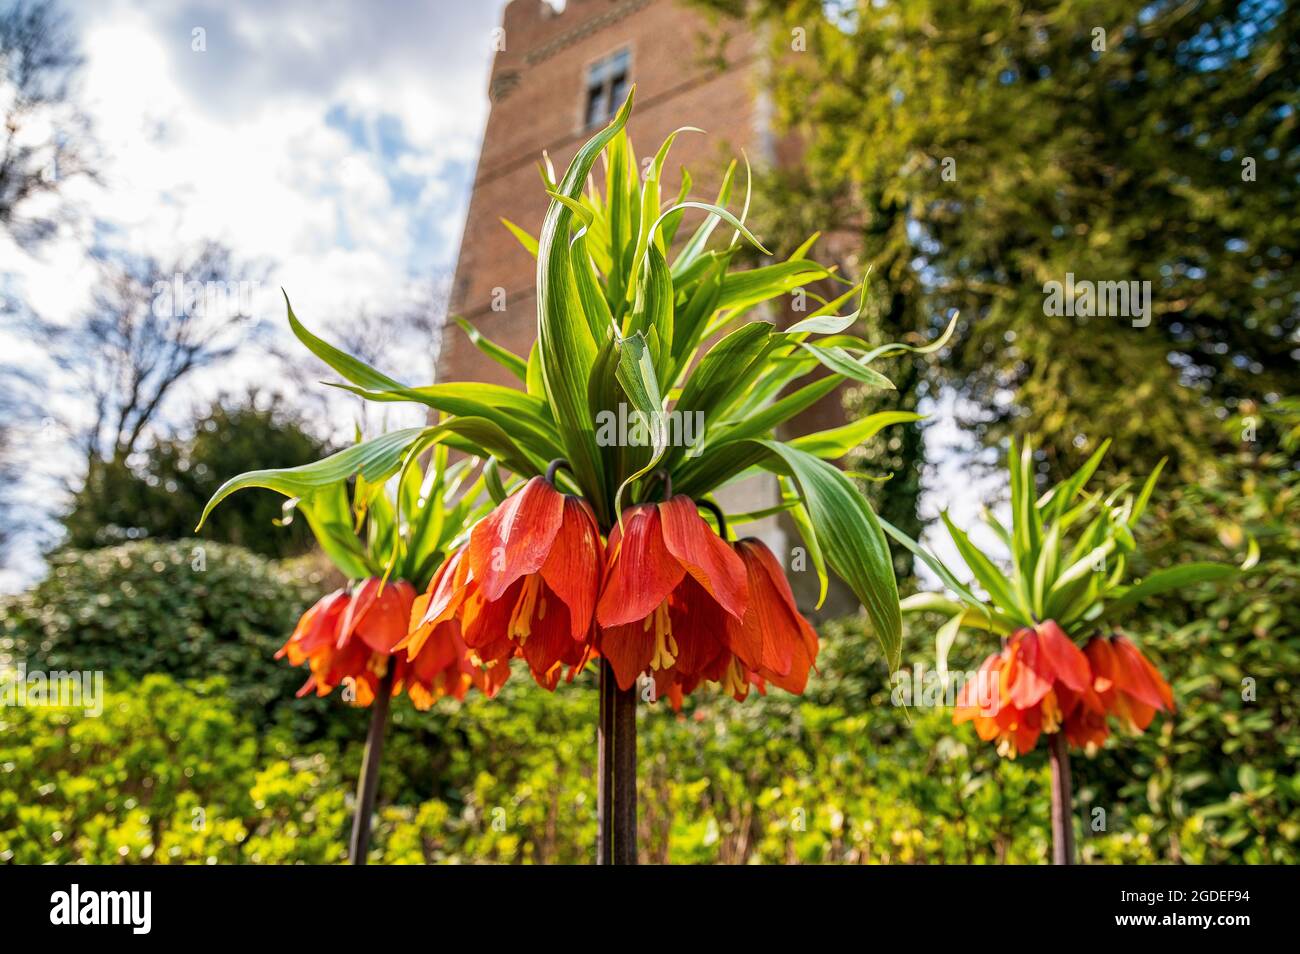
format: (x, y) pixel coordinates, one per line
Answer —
(1128, 684)
(671, 586)
(526, 584)
(1034, 685)
(348, 637)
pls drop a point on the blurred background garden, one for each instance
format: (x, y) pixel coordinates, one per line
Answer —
(1170, 154)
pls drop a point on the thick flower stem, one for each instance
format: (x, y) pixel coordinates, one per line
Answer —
(616, 769)
(1062, 801)
(368, 784)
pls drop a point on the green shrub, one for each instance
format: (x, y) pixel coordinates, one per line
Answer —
(201, 772)
(1225, 765)
(191, 609)
(176, 773)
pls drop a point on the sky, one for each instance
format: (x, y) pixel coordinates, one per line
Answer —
(333, 140)
(330, 143)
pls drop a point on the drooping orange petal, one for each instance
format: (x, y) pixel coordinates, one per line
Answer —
(1066, 659)
(698, 624)
(796, 679)
(363, 597)
(448, 589)
(1086, 728)
(987, 729)
(442, 648)
(668, 685)
(385, 624)
(1135, 676)
(978, 697)
(515, 538)
(491, 676)
(1029, 673)
(317, 629)
(704, 554)
(1162, 687)
(1133, 712)
(573, 569)
(991, 695)
(641, 571)
(486, 622)
(549, 645)
(1101, 658)
(781, 630)
(629, 649)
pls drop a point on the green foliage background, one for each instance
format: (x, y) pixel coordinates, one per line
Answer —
(160, 496)
(200, 769)
(190, 609)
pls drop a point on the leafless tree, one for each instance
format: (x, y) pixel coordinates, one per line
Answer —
(45, 139)
(150, 326)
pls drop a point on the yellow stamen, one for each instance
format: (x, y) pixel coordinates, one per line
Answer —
(521, 620)
(665, 646)
(1051, 713)
(733, 680)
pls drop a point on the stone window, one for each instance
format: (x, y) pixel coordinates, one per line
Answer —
(607, 83)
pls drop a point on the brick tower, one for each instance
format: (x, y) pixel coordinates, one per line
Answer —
(556, 79)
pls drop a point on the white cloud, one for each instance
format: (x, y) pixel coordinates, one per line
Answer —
(331, 142)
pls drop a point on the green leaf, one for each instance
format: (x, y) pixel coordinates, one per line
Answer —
(895, 347)
(720, 212)
(720, 376)
(507, 359)
(354, 370)
(851, 538)
(1081, 567)
(803, 523)
(943, 640)
(933, 562)
(1140, 505)
(636, 374)
(1063, 494)
(527, 241)
(647, 235)
(600, 320)
(652, 313)
(327, 512)
(492, 479)
(573, 205)
(835, 442)
(841, 362)
(694, 247)
(1045, 570)
(568, 349)
(753, 285)
(1172, 578)
(760, 422)
(987, 575)
(373, 460)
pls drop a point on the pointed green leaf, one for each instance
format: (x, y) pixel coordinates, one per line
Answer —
(851, 538)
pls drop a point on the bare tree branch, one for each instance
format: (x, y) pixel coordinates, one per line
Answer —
(45, 140)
